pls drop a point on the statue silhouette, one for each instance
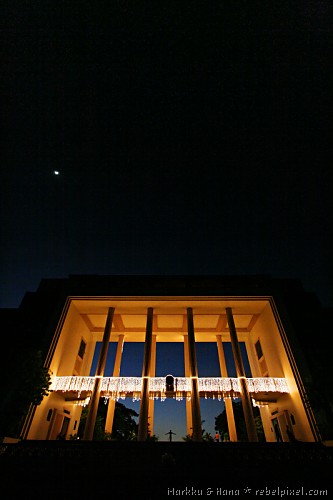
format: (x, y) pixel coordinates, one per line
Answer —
(170, 434)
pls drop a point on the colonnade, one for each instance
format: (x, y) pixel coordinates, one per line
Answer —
(193, 413)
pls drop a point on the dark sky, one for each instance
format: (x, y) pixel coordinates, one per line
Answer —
(190, 137)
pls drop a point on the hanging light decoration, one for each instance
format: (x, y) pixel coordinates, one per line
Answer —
(157, 388)
(221, 386)
(267, 384)
(121, 387)
(83, 402)
(72, 384)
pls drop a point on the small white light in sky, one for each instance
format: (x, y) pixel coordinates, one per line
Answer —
(56, 172)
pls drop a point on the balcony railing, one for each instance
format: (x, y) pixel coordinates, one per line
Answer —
(122, 387)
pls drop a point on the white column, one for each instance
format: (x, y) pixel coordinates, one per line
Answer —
(93, 405)
(187, 374)
(116, 373)
(152, 374)
(245, 395)
(227, 401)
(195, 397)
(144, 403)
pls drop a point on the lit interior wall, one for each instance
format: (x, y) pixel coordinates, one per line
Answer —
(73, 331)
(278, 364)
(63, 361)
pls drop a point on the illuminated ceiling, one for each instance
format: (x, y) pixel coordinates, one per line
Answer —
(169, 317)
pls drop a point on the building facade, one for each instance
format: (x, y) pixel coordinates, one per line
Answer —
(90, 310)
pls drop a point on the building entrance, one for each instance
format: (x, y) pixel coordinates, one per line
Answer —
(59, 426)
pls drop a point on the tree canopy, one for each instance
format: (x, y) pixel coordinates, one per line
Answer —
(221, 424)
(30, 384)
(124, 427)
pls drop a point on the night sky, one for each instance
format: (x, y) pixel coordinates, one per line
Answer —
(171, 413)
(190, 138)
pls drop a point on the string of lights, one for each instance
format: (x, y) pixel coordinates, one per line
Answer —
(121, 387)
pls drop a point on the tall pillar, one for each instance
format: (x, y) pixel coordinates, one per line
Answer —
(116, 373)
(151, 406)
(245, 395)
(195, 399)
(187, 374)
(144, 403)
(227, 401)
(93, 406)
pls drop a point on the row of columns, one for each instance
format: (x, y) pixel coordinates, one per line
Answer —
(193, 413)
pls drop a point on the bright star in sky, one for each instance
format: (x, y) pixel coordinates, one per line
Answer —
(56, 172)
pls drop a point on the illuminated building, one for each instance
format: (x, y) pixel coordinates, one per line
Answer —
(84, 310)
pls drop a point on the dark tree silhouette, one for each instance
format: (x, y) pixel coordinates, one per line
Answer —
(221, 423)
(31, 383)
(124, 427)
(206, 436)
